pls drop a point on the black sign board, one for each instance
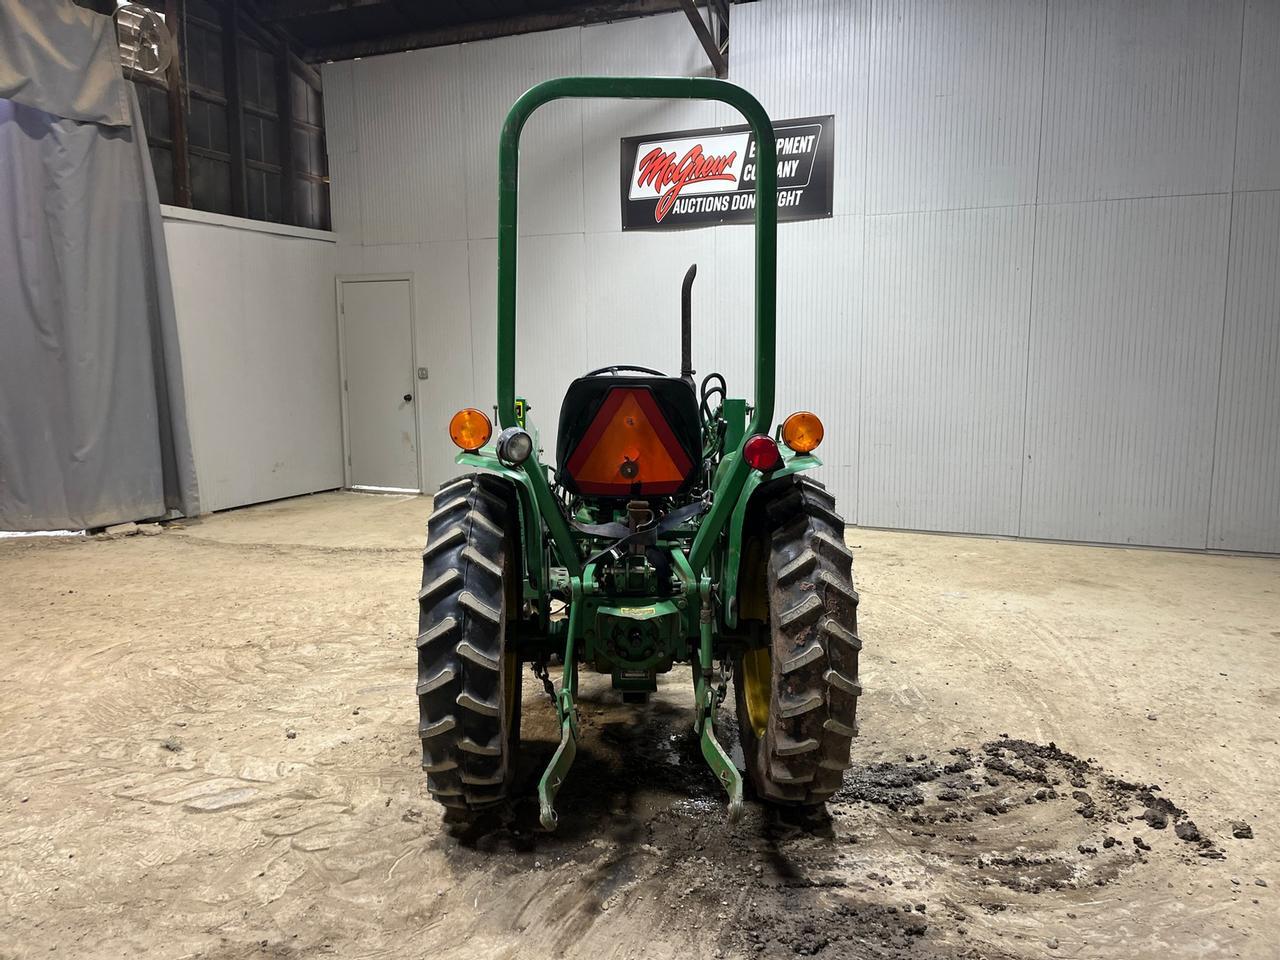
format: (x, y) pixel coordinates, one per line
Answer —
(697, 178)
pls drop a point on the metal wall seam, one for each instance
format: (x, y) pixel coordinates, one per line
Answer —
(1245, 512)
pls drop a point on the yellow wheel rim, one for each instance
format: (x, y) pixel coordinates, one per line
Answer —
(757, 687)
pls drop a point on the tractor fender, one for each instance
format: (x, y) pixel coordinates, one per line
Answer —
(737, 521)
(531, 538)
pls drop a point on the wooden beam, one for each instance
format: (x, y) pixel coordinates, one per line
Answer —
(177, 113)
(597, 12)
(718, 61)
(284, 124)
(270, 36)
(235, 115)
(270, 11)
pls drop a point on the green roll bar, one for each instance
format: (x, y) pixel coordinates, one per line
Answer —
(766, 263)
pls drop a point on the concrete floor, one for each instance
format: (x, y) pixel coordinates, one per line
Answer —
(209, 750)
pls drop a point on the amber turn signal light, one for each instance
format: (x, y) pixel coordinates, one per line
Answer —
(802, 431)
(470, 429)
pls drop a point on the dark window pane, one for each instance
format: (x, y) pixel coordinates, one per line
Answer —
(273, 188)
(203, 58)
(263, 195)
(252, 137)
(210, 185)
(301, 162)
(203, 9)
(261, 139)
(315, 107)
(298, 96)
(198, 124)
(207, 125)
(255, 194)
(153, 103)
(158, 113)
(248, 79)
(270, 141)
(266, 66)
(308, 152)
(218, 138)
(144, 105)
(302, 212)
(257, 76)
(215, 76)
(162, 164)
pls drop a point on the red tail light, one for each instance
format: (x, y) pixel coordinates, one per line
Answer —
(761, 453)
(629, 449)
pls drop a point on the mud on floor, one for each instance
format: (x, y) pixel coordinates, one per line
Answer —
(209, 751)
(916, 857)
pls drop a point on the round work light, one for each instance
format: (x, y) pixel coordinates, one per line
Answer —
(514, 446)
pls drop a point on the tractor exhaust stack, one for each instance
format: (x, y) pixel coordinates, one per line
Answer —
(686, 323)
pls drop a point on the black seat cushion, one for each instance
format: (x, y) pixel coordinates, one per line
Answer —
(675, 398)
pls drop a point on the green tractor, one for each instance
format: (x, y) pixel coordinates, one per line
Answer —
(675, 527)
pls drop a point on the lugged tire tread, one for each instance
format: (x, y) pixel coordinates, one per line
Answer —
(813, 714)
(460, 642)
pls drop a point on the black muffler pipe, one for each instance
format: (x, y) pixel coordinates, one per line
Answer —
(686, 323)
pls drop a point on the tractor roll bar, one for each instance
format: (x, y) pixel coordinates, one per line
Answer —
(766, 263)
(642, 88)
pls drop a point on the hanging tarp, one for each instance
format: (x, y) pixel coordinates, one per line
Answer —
(92, 416)
(62, 59)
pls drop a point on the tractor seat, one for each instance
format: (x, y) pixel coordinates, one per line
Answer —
(629, 436)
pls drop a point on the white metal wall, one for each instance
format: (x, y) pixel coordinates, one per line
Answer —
(258, 329)
(1047, 304)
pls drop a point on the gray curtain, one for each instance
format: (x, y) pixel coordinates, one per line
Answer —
(62, 59)
(93, 427)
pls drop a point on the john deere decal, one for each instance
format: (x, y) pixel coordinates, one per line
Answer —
(697, 178)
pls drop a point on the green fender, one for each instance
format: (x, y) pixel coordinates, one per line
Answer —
(737, 520)
(530, 516)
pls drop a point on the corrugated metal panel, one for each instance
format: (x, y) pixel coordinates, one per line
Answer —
(411, 122)
(802, 58)
(820, 268)
(344, 196)
(954, 104)
(341, 134)
(820, 335)
(1258, 139)
(943, 369)
(1125, 342)
(1140, 99)
(494, 74)
(551, 327)
(633, 298)
(342, 141)
(654, 46)
(1246, 475)
(442, 334)
(258, 324)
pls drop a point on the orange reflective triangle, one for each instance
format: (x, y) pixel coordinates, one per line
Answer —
(629, 448)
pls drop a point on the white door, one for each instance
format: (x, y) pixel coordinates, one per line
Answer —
(377, 342)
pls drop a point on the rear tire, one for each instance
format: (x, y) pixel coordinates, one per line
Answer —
(797, 697)
(468, 675)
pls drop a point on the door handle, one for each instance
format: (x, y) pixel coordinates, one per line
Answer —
(408, 398)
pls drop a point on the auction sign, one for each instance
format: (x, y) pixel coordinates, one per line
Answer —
(696, 178)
